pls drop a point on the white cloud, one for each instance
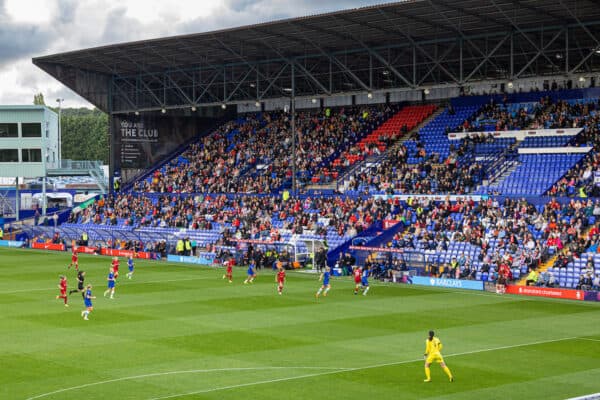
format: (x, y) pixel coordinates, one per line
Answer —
(31, 11)
(32, 28)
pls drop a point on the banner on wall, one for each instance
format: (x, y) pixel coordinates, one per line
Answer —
(141, 141)
(11, 243)
(446, 283)
(48, 246)
(85, 249)
(127, 253)
(556, 293)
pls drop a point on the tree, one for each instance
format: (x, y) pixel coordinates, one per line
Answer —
(38, 99)
(84, 134)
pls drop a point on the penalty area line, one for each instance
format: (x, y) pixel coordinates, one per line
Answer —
(265, 382)
(156, 374)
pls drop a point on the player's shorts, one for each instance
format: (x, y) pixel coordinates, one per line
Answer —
(364, 282)
(357, 280)
(63, 292)
(111, 284)
(280, 281)
(326, 283)
(74, 259)
(435, 357)
(88, 304)
(80, 286)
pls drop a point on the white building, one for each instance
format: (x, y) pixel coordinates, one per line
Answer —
(28, 141)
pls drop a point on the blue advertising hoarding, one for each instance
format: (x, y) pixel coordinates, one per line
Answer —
(446, 283)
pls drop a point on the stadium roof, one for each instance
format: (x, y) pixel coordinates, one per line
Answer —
(403, 44)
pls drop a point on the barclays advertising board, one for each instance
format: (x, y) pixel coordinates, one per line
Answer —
(11, 243)
(446, 283)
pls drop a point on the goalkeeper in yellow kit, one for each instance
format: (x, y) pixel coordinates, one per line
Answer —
(433, 348)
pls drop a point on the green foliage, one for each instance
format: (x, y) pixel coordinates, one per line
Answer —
(38, 99)
(85, 134)
(176, 329)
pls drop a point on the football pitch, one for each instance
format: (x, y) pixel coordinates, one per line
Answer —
(182, 332)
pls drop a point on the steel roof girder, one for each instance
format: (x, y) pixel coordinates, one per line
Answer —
(539, 53)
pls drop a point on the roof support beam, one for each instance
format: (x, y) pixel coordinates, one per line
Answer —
(539, 53)
(516, 26)
(418, 47)
(437, 63)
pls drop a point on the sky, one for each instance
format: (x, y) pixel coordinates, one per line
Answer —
(32, 28)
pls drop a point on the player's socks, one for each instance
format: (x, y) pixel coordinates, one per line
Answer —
(447, 371)
(318, 292)
(106, 292)
(365, 291)
(427, 374)
(326, 290)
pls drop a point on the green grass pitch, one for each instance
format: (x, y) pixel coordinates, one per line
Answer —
(182, 332)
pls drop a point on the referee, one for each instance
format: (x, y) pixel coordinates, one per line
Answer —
(80, 284)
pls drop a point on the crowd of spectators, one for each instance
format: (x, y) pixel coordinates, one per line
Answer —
(513, 234)
(394, 175)
(255, 156)
(246, 217)
(579, 181)
(494, 116)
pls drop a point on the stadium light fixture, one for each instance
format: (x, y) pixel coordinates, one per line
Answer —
(386, 72)
(223, 106)
(257, 104)
(597, 50)
(510, 85)
(137, 113)
(252, 85)
(287, 89)
(581, 79)
(164, 111)
(193, 108)
(313, 100)
(370, 95)
(426, 91)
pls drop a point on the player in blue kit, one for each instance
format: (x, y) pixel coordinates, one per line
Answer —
(111, 283)
(325, 276)
(251, 273)
(364, 281)
(87, 301)
(130, 266)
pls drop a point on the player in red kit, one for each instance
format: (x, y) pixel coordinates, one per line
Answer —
(62, 286)
(229, 271)
(74, 260)
(115, 266)
(357, 273)
(280, 279)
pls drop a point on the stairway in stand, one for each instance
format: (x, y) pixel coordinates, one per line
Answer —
(408, 117)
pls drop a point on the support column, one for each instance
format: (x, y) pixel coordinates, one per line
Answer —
(17, 202)
(293, 130)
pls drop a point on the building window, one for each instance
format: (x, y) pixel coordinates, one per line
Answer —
(9, 130)
(31, 155)
(31, 130)
(9, 155)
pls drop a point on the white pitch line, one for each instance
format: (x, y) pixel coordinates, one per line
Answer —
(353, 369)
(590, 339)
(593, 396)
(333, 370)
(192, 371)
